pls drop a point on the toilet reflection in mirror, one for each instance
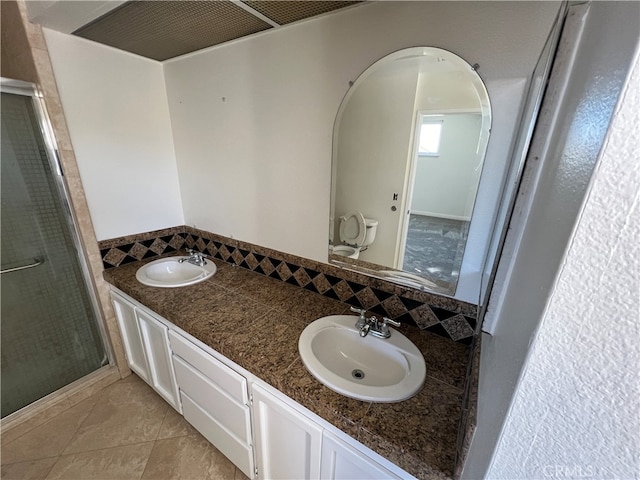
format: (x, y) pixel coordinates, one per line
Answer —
(409, 145)
(356, 233)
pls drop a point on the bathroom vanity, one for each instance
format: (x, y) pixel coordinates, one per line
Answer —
(224, 354)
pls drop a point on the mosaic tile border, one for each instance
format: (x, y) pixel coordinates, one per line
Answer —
(443, 316)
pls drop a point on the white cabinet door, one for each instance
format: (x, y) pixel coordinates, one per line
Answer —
(287, 443)
(341, 461)
(126, 315)
(155, 338)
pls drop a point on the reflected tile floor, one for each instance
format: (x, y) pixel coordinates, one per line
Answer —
(125, 431)
(434, 248)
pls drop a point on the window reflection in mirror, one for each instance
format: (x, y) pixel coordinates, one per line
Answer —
(409, 145)
(429, 135)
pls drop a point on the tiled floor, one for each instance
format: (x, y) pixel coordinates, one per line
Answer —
(125, 431)
(434, 248)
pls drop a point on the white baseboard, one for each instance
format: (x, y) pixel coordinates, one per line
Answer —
(440, 215)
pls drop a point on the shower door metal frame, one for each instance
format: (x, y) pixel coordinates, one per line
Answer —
(27, 89)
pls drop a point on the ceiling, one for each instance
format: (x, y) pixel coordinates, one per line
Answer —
(164, 29)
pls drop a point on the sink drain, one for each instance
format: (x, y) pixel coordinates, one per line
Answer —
(357, 374)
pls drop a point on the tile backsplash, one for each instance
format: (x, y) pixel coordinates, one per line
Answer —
(438, 314)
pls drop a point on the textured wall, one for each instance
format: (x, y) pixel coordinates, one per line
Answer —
(576, 413)
(594, 58)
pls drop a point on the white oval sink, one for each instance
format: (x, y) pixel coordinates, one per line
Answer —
(370, 368)
(170, 272)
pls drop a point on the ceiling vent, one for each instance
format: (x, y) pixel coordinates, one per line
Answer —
(165, 29)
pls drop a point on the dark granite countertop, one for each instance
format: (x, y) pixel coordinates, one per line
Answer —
(255, 321)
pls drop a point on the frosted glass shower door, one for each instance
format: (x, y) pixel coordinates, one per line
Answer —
(49, 332)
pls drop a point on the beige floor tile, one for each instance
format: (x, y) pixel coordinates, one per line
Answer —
(31, 470)
(113, 435)
(35, 419)
(122, 463)
(50, 438)
(174, 425)
(189, 457)
(125, 413)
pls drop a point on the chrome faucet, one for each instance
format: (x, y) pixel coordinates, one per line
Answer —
(195, 258)
(362, 320)
(372, 325)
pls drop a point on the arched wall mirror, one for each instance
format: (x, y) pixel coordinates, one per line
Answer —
(409, 144)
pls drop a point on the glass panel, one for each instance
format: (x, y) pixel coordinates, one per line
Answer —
(50, 337)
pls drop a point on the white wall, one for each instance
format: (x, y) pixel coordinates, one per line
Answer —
(576, 412)
(253, 120)
(452, 89)
(589, 73)
(116, 109)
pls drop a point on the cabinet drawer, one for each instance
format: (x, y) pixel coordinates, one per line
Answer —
(229, 381)
(240, 454)
(230, 415)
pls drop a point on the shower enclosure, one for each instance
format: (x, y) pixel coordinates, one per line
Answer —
(50, 332)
